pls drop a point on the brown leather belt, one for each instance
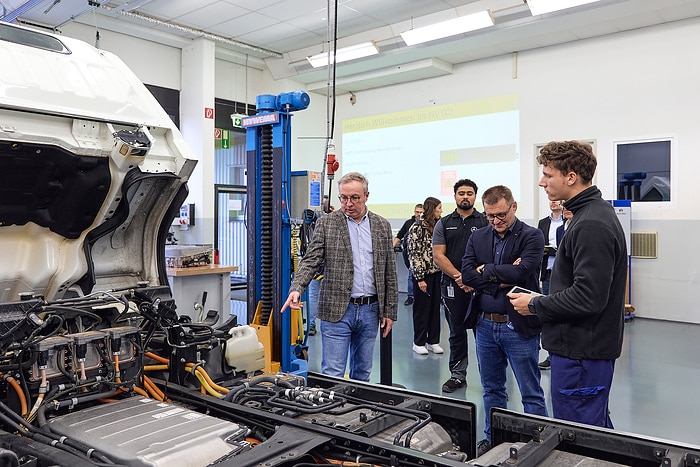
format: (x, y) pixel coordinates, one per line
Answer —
(496, 318)
(363, 300)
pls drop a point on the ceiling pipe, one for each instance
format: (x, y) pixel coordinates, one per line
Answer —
(204, 34)
(20, 10)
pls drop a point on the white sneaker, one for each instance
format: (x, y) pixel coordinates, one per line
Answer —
(434, 348)
(420, 350)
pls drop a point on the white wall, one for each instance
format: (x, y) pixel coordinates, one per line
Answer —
(636, 84)
(631, 85)
(153, 63)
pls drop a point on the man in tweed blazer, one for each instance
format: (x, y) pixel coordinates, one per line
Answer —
(359, 291)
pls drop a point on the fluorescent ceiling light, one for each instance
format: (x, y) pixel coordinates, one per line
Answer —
(540, 7)
(343, 55)
(452, 27)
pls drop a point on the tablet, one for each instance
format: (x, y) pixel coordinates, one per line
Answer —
(518, 289)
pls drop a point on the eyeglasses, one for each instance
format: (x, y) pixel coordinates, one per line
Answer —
(500, 216)
(354, 198)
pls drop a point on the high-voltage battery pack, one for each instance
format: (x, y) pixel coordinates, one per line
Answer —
(145, 432)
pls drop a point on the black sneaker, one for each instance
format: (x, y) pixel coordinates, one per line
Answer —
(312, 330)
(545, 364)
(452, 384)
(482, 447)
(408, 302)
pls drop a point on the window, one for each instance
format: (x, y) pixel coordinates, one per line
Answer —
(644, 170)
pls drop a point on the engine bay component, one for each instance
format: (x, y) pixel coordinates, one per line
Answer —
(244, 352)
(185, 256)
(119, 377)
(141, 431)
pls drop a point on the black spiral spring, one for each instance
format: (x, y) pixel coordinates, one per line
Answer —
(266, 189)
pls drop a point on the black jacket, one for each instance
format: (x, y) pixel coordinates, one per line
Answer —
(544, 225)
(583, 314)
(525, 242)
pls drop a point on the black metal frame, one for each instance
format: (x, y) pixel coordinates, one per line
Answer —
(295, 438)
(543, 435)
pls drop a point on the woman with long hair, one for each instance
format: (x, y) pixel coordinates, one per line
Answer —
(426, 280)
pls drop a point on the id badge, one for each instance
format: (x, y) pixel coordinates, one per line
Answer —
(450, 291)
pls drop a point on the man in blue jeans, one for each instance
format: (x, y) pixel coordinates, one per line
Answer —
(359, 291)
(506, 253)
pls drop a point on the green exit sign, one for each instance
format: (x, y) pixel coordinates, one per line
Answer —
(237, 120)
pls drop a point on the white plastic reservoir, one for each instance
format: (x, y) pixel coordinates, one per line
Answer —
(243, 350)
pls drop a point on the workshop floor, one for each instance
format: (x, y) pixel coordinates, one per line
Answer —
(653, 391)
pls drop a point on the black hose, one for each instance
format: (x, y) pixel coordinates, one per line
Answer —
(11, 419)
(81, 399)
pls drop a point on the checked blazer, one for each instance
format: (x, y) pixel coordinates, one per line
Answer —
(330, 248)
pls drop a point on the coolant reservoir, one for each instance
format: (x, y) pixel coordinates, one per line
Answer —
(243, 350)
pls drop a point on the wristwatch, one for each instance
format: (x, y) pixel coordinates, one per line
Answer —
(531, 306)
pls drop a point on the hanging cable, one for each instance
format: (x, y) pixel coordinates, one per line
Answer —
(332, 40)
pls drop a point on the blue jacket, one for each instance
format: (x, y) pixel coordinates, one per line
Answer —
(525, 242)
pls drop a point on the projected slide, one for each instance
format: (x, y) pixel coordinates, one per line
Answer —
(408, 156)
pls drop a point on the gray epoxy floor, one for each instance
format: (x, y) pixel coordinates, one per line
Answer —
(653, 390)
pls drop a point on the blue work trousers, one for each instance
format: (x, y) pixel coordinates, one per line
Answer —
(581, 390)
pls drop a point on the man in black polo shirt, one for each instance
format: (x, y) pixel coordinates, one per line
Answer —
(449, 242)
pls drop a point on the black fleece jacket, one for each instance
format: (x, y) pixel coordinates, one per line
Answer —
(583, 316)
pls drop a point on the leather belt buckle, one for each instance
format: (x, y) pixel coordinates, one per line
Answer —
(363, 300)
(496, 318)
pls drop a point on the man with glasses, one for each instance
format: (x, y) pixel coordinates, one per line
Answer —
(359, 291)
(583, 314)
(507, 253)
(449, 242)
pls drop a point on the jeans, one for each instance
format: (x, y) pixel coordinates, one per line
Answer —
(545, 282)
(496, 346)
(354, 336)
(313, 291)
(581, 390)
(409, 287)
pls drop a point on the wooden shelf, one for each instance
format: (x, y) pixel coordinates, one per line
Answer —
(201, 270)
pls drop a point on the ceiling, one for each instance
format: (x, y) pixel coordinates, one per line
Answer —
(280, 34)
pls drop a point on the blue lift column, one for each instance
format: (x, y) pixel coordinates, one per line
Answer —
(268, 148)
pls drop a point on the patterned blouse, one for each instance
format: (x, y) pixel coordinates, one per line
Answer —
(419, 243)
